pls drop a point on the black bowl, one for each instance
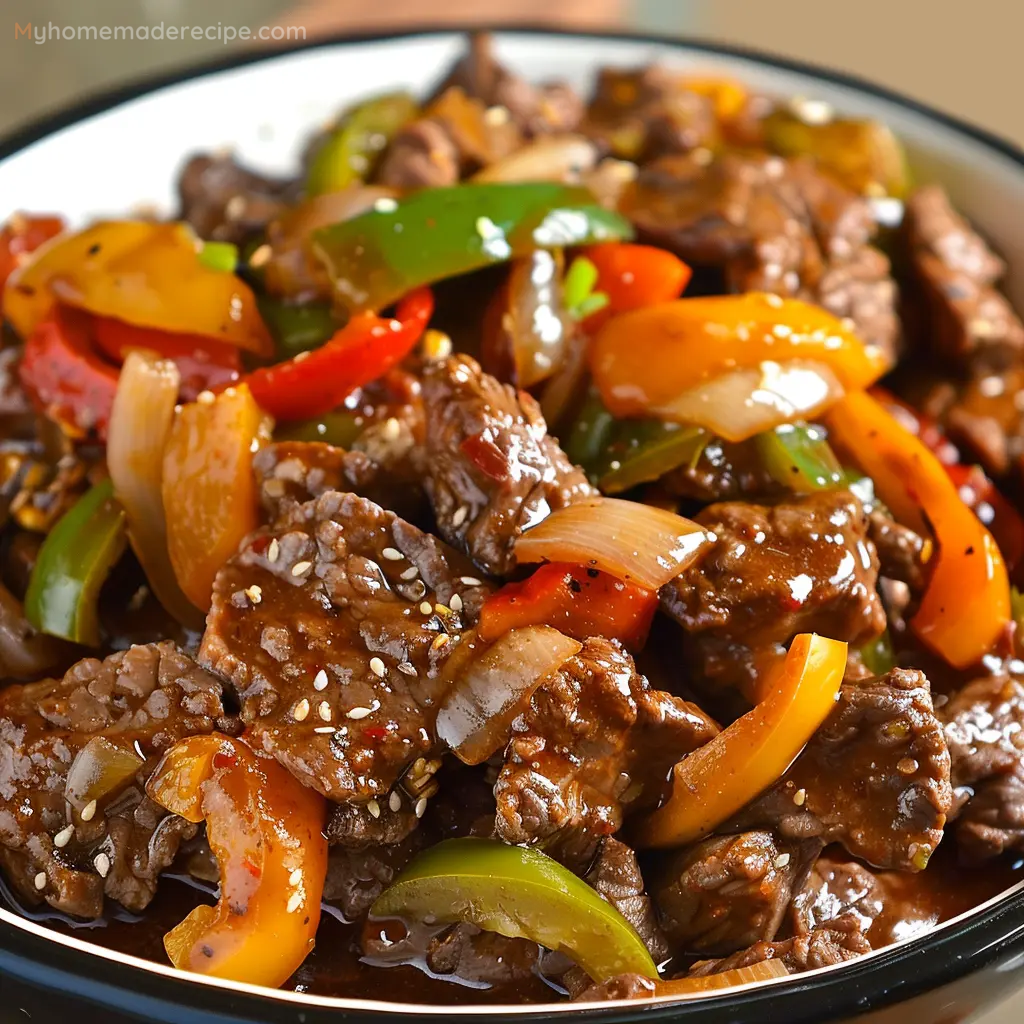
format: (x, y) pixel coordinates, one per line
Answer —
(944, 976)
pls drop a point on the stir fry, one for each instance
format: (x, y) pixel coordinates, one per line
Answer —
(545, 550)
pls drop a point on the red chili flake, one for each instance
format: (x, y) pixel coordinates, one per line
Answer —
(375, 732)
(225, 759)
(486, 456)
(791, 604)
(260, 544)
(253, 870)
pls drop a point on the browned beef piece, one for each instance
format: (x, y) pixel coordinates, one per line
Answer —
(615, 874)
(992, 822)
(356, 877)
(342, 587)
(970, 324)
(594, 742)
(835, 888)
(224, 201)
(875, 776)
(358, 827)
(901, 551)
(840, 941)
(772, 225)
(552, 107)
(146, 698)
(466, 952)
(727, 892)
(724, 472)
(803, 566)
(422, 155)
(622, 986)
(492, 469)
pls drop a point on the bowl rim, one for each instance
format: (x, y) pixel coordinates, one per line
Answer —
(804, 992)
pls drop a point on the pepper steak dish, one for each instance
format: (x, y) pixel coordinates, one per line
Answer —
(549, 549)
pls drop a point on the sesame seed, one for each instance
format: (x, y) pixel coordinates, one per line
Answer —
(799, 797)
(443, 610)
(357, 713)
(301, 710)
(427, 608)
(406, 669)
(496, 116)
(261, 255)
(393, 554)
(782, 860)
(374, 808)
(206, 398)
(395, 800)
(459, 516)
(234, 208)
(324, 711)
(421, 807)
(455, 603)
(439, 641)
(294, 901)
(301, 567)
(63, 837)
(102, 864)
(392, 429)
(385, 205)
(436, 345)
(40, 880)
(254, 593)
(295, 877)
(320, 680)
(323, 730)
(410, 573)
(273, 551)
(470, 581)
(89, 811)
(377, 667)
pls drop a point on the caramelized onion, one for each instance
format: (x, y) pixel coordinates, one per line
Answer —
(100, 768)
(476, 713)
(140, 423)
(551, 158)
(632, 541)
(766, 970)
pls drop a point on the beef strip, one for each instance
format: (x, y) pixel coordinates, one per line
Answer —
(724, 471)
(423, 154)
(992, 821)
(805, 565)
(834, 888)
(339, 586)
(146, 698)
(727, 892)
(466, 952)
(874, 777)
(225, 202)
(901, 552)
(492, 469)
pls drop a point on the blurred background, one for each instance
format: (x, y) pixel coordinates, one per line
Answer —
(964, 60)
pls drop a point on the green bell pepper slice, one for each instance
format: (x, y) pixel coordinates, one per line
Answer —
(521, 893)
(339, 428)
(639, 451)
(436, 233)
(879, 656)
(798, 457)
(74, 561)
(590, 433)
(297, 328)
(349, 152)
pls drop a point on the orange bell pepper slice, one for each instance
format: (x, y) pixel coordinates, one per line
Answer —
(645, 360)
(967, 604)
(264, 828)
(209, 492)
(710, 785)
(144, 273)
(21, 235)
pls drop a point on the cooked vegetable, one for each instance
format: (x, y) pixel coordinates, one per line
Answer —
(548, 158)
(878, 656)
(101, 768)
(21, 235)
(339, 428)
(520, 893)
(297, 328)
(209, 493)
(475, 715)
(967, 603)
(142, 272)
(222, 256)
(765, 970)
(676, 360)
(580, 602)
(716, 780)
(639, 451)
(140, 424)
(349, 152)
(581, 298)
(74, 561)
(265, 829)
(798, 457)
(635, 276)
(364, 349)
(433, 234)
(591, 431)
(636, 543)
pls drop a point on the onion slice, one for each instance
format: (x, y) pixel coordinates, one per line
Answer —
(551, 158)
(766, 970)
(476, 714)
(140, 423)
(100, 768)
(635, 542)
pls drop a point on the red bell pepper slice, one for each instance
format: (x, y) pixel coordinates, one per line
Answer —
(204, 364)
(579, 602)
(364, 349)
(22, 235)
(64, 376)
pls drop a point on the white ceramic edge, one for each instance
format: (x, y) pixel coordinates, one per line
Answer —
(129, 155)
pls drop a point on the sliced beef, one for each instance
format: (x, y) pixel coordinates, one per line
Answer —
(333, 625)
(146, 699)
(423, 154)
(875, 776)
(356, 877)
(593, 742)
(727, 892)
(840, 941)
(992, 822)
(902, 553)
(805, 565)
(835, 888)
(492, 469)
(224, 201)
(484, 958)
(970, 324)
(725, 471)
(378, 824)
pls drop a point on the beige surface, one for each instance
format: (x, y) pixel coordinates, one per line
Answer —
(964, 58)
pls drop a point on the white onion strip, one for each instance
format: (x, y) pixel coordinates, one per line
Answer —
(635, 542)
(140, 422)
(476, 714)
